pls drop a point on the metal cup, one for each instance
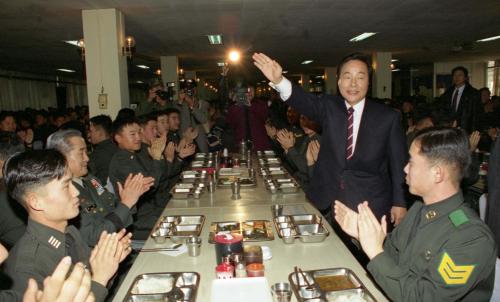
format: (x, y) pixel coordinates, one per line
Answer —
(194, 246)
(235, 187)
(277, 210)
(211, 186)
(281, 292)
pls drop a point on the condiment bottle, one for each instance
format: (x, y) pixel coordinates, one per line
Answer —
(240, 270)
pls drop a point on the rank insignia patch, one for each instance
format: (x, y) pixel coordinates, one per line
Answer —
(452, 273)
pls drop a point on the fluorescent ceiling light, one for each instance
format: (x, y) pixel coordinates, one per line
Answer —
(489, 39)
(143, 66)
(221, 64)
(65, 70)
(140, 82)
(394, 60)
(264, 81)
(284, 72)
(307, 62)
(394, 70)
(361, 37)
(72, 42)
(215, 39)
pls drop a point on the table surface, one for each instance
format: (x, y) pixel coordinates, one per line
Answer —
(254, 204)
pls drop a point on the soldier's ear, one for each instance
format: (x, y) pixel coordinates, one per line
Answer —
(33, 201)
(438, 173)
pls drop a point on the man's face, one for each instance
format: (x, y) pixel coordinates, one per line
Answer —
(485, 96)
(458, 78)
(174, 121)
(40, 120)
(8, 124)
(94, 134)
(59, 199)
(162, 124)
(250, 93)
(77, 158)
(418, 171)
(129, 138)
(354, 81)
(149, 132)
(59, 121)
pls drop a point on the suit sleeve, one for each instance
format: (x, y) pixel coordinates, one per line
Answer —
(471, 248)
(308, 104)
(398, 157)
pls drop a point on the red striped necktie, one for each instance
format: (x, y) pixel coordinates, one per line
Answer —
(350, 134)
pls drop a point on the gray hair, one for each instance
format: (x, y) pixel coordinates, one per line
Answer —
(59, 140)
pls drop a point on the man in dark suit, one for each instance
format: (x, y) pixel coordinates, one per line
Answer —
(363, 150)
(461, 101)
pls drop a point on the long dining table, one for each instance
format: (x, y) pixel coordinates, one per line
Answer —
(254, 204)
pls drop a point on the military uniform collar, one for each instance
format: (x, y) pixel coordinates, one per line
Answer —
(442, 208)
(48, 236)
(78, 181)
(104, 142)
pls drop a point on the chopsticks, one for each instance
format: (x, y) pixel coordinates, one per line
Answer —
(163, 249)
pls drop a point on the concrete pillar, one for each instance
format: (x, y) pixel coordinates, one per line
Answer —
(331, 80)
(305, 82)
(382, 75)
(106, 67)
(170, 72)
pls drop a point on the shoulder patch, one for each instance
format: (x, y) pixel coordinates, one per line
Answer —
(458, 217)
(452, 273)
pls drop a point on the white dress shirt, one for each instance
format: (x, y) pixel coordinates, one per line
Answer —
(284, 88)
(460, 91)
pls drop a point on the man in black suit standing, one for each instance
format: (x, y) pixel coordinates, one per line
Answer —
(462, 101)
(363, 150)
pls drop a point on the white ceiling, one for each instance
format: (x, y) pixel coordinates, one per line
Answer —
(416, 31)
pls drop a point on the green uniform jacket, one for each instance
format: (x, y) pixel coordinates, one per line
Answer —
(12, 218)
(151, 203)
(439, 252)
(100, 158)
(100, 210)
(38, 252)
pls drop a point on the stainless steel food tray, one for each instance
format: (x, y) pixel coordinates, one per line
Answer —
(308, 228)
(281, 185)
(169, 286)
(245, 182)
(186, 190)
(347, 285)
(178, 227)
(190, 176)
(252, 230)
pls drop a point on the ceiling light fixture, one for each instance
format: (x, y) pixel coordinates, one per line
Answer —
(215, 39)
(143, 66)
(66, 70)
(394, 60)
(72, 42)
(234, 56)
(394, 70)
(307, 62)
(489, 39)
(284, 72)
(221, 64)
(361, 37)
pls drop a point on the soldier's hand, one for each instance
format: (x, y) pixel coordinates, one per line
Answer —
(188, 150)
(58, 288)
(286, 139)
(372, 233)
(157, 147)
(346, 218)
(3, 253)
(169, 152)
(132, 190)
(183, 142)
(125, 240)
(270, 68)
(312, 152)
(105, 258)
(474, 140)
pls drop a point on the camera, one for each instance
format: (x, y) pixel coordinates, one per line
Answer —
(189, 86)
(164, 95)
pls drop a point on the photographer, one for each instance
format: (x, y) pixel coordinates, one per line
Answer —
(157, 100)
(193, 113)
(247, 117)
